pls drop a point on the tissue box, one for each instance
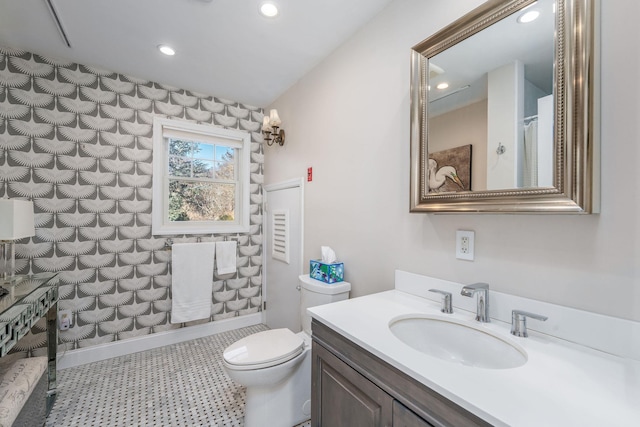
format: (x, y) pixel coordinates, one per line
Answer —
(328, 273)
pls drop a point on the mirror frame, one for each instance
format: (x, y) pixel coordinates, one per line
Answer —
(576, 115)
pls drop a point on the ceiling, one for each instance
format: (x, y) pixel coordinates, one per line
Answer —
(224, 47)
(465, 66)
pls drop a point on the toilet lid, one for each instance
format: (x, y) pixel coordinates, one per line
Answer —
(264, 349)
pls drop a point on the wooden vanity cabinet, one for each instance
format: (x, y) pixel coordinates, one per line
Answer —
(351, 387)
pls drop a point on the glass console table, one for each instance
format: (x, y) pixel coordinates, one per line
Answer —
(28, 300)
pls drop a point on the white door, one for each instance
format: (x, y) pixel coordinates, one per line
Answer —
(283, 254)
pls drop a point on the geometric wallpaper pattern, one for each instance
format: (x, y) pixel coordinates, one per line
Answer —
(77, 140)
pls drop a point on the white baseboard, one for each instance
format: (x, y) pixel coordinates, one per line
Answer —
(96, 353)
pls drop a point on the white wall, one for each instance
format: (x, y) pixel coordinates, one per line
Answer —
(505, 104)
(349, 119)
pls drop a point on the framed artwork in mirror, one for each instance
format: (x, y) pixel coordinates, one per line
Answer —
(450, 170)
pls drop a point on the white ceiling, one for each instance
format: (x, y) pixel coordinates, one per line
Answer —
(224, 47)
(469, 62)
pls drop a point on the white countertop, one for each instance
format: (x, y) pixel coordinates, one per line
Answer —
(562, 384)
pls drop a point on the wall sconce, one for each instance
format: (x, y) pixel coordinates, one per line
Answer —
(16, 222)
(271, 129)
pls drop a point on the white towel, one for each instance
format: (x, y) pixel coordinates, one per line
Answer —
(226, 257)
(192, 281)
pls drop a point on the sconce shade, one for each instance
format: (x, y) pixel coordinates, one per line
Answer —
(274, 119)
(16, 219)
(266, 126)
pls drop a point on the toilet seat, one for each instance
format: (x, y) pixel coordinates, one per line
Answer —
(263, 349)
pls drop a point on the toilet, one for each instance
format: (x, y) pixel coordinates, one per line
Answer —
(275, 365)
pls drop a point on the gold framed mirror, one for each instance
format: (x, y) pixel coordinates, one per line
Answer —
(504, 111)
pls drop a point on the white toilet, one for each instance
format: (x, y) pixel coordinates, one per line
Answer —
(275, 365)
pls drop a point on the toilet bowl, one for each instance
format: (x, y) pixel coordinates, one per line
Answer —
(275, 365)
(275, 385)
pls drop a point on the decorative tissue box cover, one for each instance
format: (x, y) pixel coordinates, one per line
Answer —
(328, 273)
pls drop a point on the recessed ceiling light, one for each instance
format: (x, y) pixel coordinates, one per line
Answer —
(528, 16)
(166, 50)
(443, 85)
(269, 10)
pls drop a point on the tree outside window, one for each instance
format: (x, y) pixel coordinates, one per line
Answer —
(202, 181)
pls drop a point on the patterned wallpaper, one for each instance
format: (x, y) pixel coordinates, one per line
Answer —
(77, 141)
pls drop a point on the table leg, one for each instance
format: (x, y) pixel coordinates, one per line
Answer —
(52, 347)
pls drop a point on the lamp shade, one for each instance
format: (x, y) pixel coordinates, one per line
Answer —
(274, 119)
(16, 219)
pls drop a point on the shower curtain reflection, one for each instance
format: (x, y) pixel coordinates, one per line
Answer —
(530, 153)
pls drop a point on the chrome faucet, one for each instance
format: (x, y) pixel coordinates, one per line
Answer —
(482, 289)
(446, 300)
(519, 322)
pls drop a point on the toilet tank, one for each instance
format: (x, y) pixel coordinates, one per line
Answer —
(314, 292)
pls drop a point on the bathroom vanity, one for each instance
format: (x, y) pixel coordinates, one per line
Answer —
(577, 368)
(350, 386)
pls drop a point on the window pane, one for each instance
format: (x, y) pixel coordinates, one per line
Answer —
(225, 165)
(179, 166)
(179, 147)
(203, 151)
(225, 171)
(226, 154)
(201, 201)
(203, 169)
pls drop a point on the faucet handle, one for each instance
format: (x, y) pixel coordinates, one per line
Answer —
(519, 322)
(446, 300)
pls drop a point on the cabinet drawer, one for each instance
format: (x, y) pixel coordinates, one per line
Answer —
(403, 417)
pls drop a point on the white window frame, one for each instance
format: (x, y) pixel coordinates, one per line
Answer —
(160, 224)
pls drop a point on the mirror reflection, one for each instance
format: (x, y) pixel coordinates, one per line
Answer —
(490, 106)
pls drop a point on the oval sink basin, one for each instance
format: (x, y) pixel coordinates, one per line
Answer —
(456, 341)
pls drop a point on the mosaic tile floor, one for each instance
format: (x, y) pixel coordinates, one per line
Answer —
(179, 385)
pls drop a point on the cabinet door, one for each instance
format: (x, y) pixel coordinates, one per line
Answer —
(346, 398)
(403, 417)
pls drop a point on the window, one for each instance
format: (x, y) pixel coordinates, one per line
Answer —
(200, 178)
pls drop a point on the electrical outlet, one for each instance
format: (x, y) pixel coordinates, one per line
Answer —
(64, 319)
(464, 244)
